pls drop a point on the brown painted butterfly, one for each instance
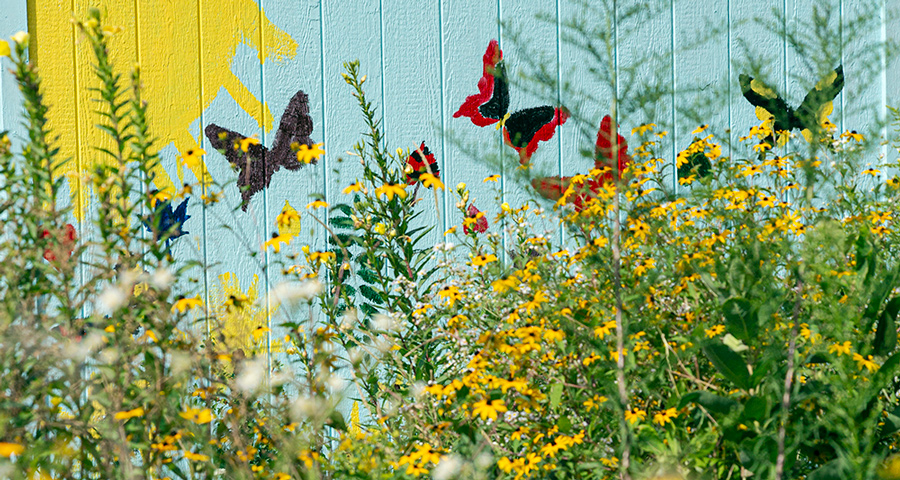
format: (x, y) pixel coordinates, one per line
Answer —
(256, 163)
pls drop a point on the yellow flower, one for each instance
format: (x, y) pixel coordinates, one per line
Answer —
(197, 415)
(287, 217)
(866, 362)
(9, 449)
(488, 410)
(482, 260)
(276, 241)
(137, 412)
(665, 416)
(853, 135)
(700, 129)
(197, 457)
(635, 415)
(391, 189)
(761, 147)
(184, 304)
(244, 144)
(451, 293)
(641, 130)
(430, 180)
(160, 196)
(501, 285)
(871, 171)
(4, 49)
(307, 154)
(714, 330)
(317, 204)
(840, 349)
(353, 187)
(319, 257)
(492, 178)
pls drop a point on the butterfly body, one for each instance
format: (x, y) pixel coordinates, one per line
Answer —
(255, 163)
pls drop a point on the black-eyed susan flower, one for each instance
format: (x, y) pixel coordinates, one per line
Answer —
(317, 204)
(276, 241)
(665, 416)
(125, 415)
(635, 415)
(450, 293)
(429, 180)
(503, 284)
(487, 410)
(199, 416)
(243, 144)
(492, 178)
(865, 362)
(353, 187)
(195, 457)
(184, 304)
(310, 154)
(482, 260)
(389, 190)
(475, 220)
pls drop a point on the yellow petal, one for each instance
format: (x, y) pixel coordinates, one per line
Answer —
(4, 49)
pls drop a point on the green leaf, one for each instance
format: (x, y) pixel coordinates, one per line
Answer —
(730, 364)
(371, 294)
(710, 401)
(886, 333)
(556, 391)
(740, 319)
(336, 419)
(833, 470)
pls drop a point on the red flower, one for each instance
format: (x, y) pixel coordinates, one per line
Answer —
(65, 246)
(476, 218)
(416, 164)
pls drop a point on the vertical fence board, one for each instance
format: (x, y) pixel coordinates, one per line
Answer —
(467, 29)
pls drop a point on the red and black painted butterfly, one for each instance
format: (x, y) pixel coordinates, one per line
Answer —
(421, 161)
(553, 188)
(523, 129)
(255, 162)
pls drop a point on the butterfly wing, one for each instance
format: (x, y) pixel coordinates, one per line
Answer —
(604, 151)
(491, 102)
(818, 103)
(761, 96)
(178, 218)
(421, 161)
(525, 128)
(296, 126)
(252, 172)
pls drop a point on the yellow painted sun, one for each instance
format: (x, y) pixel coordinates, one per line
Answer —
(239, 318)
(186, 50)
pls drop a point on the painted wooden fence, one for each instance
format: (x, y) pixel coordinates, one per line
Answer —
(237, 64)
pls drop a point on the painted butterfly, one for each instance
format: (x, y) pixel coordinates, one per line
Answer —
(421, 161)
(171, 221)
(523, 129)
(256, 163)
(810, 116)
(553, 188)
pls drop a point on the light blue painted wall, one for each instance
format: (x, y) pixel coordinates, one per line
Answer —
(424, 57)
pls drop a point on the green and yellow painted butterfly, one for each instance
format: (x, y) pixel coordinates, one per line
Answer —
(809, 117)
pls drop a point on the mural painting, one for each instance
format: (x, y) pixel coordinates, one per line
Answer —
(186, 63)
